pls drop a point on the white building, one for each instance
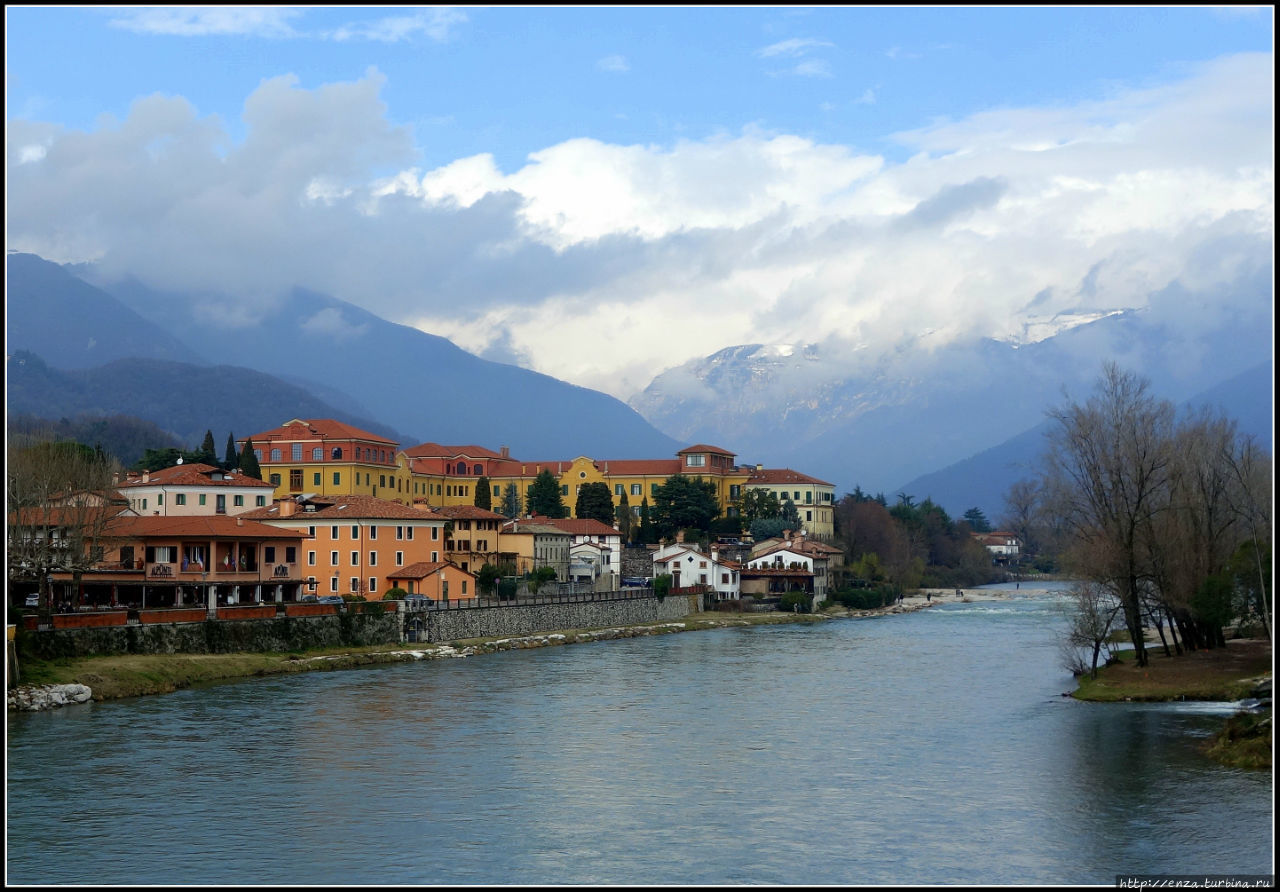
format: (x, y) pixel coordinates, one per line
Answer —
(193, 490)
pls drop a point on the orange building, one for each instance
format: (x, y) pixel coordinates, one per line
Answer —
(354, 543)
(440, 581)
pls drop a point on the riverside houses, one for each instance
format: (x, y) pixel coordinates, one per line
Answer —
(354, 542)
(183, 561)
(193, 489)
(778, 566)
(439, 580)
(471, 536)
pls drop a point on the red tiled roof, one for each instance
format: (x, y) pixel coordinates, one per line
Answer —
(218, 526)
(423, 569)
(333, 507)
(783, 475)
(194, 474)
(702, 447)
(67, 515)
(436, 450)
(317, 429)
(467, 512)
(578, 526)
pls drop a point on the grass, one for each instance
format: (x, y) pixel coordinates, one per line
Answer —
(1218, 674)
(133, 675)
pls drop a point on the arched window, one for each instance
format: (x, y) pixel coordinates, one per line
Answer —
(337, 452)
(275, 455)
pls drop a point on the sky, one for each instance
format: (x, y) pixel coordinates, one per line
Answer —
(604, 193)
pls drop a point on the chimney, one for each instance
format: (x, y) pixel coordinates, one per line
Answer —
(506, 452)
(146, 476)
(680, 537)
(239, 521)
(115, 478)
(287, 507)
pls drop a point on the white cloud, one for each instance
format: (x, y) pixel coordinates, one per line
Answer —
(437, 23)
(613, 63)
(255, 21)
(796, 46)
(812, 68)
(674, 250)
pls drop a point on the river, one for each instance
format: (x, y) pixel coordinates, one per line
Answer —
(926, 748)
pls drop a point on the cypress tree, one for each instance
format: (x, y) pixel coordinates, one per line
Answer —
(231, 460)
(249, 462)
(484, 494)
(209, 451)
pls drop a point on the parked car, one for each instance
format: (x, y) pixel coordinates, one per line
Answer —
(331, 599)
(32, 601)
(308, 599)
(419, 601)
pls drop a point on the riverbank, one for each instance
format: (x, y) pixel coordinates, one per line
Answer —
(54, 683)
(49, 684)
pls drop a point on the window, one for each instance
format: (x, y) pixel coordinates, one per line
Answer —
(337, 453)
(495, 490)
(373, 559)
(238, 501)
(635, 489)
(564, 490)
(160, 498)
(333, 583)
(724, 578)
(355, 585)
(355, 531)
(695, 461)
(295, 479)
(475, 470)
(275, 481)
(144, 504)
(290, 554)
(333, 533)
(399, 558)
(257, 453)
(317, 454)
(275, 455)
(464, 586)
(808, 515)
(269, 554)
(399, 532)
(444, 589)
(373, 583)
(435, 556)
(337, 478)
(220, 505)
(373, 532)
(735, 490)
(355, 558)
(180, 498)
(333, 559)
(808, 497)
(311, 558)
(161, 554)
(260, 501)
(311, 531)
(410, 531)
(315, 478)
(435, 534)
(653, 488)
(382, 479)
(295, 452)
(202, 495)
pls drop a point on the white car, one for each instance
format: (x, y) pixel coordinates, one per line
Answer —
(33, 601)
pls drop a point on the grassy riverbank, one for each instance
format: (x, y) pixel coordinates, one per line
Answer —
(133, 675)
(1230, 673)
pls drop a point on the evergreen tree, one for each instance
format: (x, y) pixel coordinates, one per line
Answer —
(685, 503)
(646, 524)
(594, 501)
(208, 451)
(511, 506)
(544, 496)
(790, 514)
(232, 459)
(249, 462)
(977, 520)
(484, 494)
(625, 525)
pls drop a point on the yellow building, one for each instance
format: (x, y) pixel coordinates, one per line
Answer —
(325, 457)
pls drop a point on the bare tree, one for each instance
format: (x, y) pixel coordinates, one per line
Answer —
(60, 495)
(1092, 616)
(1106, 477)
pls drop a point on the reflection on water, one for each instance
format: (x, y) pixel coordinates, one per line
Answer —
(932, 747)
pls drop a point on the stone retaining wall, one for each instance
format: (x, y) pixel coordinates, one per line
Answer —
(491, 622)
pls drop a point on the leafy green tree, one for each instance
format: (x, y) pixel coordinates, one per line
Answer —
(685, 503)
(487, 578)
(768, 527)
(540, 577)
(977, 520)
(249, 462)
(790, 514)
(484, 494)
(511, 501)
(544, 496)
(662, 585)
(758, 503)
(231, 459)
(595, 502)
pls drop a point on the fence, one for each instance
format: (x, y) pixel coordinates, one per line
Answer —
(556, 595)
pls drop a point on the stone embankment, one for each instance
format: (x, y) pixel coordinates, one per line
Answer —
(33, 698)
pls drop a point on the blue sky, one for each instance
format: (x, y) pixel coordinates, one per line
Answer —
(541, 164)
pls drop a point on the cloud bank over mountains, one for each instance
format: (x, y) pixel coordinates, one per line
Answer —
(604, 264)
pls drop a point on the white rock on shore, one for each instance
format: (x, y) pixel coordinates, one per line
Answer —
(33, 698)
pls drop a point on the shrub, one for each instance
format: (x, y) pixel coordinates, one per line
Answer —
(795, 602)
(394, 594)
(662, 585)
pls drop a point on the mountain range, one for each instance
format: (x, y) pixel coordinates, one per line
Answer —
(955, 421)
